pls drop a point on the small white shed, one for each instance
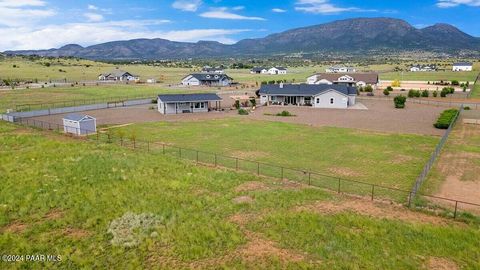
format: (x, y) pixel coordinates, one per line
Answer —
(79, 124)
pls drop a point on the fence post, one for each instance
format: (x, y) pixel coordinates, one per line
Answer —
(373, 190)
(309, 178)
(455, 213)
(258, 168)
(409, 199)
(339, 181)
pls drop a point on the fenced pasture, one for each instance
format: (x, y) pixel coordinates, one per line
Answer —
(448, 207)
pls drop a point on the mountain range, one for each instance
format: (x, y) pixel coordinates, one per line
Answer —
(354, 36)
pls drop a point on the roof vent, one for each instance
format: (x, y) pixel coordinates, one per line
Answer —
(281, 85)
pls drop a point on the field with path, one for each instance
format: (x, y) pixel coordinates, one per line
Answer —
(393, 160)
(103, 206)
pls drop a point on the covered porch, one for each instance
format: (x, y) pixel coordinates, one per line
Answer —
(285, 100)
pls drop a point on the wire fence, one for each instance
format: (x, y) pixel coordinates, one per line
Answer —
(472, 105)
(456, 209)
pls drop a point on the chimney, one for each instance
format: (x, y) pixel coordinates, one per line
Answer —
(281, 85)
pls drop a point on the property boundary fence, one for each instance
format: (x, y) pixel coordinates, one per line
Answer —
(426, 169)
(450, 207)
(477, 82)
(473, 106)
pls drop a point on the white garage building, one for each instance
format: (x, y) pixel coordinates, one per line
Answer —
(463, 66)
(79, 124)
(316, 96)
(188, 103)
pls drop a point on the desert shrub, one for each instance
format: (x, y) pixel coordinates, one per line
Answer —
(368, 89)
(455, 82)
(386, 92)
(445, 119)
(396, 83)
(389, 88)
(360, 89)
(285, 114)
(237, 104)
(242, 112)
(413, 93)
(399, 101)
(425, 93)
(154, 101)
(253, 102)
(466, 108)
(435, 93)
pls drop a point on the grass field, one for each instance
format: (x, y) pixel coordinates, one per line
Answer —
(102, 206)
(386, 159)
(431, 76)
(476, 91)
(10, 98)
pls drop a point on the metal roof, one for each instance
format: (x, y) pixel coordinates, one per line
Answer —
(209, 76)
(369, 78)
(77, 117)
(463, 64)
(305, 89)
(173, 98)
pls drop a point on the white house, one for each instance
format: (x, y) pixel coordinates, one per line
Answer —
(118, 75)
(259, 70)
(217, 70)
(187, 103)
(462, 66)
(340, 69)
(349, 79)
(423, 68)
(316, 96)
(207, 79)
(277, 71)
(79, 124)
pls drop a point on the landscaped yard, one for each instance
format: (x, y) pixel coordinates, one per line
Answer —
(393, 160)
(103, 206)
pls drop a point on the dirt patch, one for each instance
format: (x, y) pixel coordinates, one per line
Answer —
(400, 159)
(435, 263)
(15, 227)
(76, 233)
(373, 209)
(252, 155)
(243, 199)
(54, 214)
(251, 186)
(345, 172)
(258, 247)
(287, 184)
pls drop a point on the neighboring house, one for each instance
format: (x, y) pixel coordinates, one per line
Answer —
(207, 79)
(463, 66)
(187, 103)
(259, 70)
(79, 124)
(118, 75)
(217, 70)
(277, 71)
(349, 79)
(316, 96)
(340, 69)
(423, 68)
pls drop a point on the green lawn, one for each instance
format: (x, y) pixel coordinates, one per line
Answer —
(387, 159)
(105, 207)
(476, 91)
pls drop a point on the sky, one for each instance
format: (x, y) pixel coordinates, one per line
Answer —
(45, 24)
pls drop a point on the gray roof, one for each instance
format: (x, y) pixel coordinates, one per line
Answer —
(117, 73)
(280, 68)
(209, 76)
(463, 64)
(173, 98)
(76, 116)
(305, 89)
(258, 69)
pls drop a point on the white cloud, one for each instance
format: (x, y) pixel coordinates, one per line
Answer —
(455, 3)
(19, 15)
(278, 10)
(93, 17)
(22, 3)
(92, 7)
(187, 5)
(325, 7)
(54, 36)
(224, 13)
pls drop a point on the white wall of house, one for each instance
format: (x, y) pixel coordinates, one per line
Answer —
(312, 79)
(462, 68)
(331, 99)
(87, 126)
(324, 81)
(177, 108)
(190, 80)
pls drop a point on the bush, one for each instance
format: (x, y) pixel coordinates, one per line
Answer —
(389, 88)
(154, 101)
(435, 94)
(425, 93)
(242, 112)
(368, 89)
(386, 92)
(455, 82)
(413, 93)
(253, 102)
(399, 101)
(466, 108)
(285, 114)
(445, 119)
(237, 104)
(396, 83)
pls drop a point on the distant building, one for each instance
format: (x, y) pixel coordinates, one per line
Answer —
(349, 79)
(277, 71)
(316, 96)
(340, 69)
(423, 68)
(259, 70)
(207, 79)
(79, 124)
(118, 75)
(217, 70)
(187, 103)
(462, 66)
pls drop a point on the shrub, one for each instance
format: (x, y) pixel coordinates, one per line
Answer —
(242, 112)
(455, 82)
(396, 83)
(253, 102)
(435, 93)
(389, 88)
(425, 93)
(285, 114)
(154, 101)
(413, 93)
(466, 108)
(368, 89)
(386, 92)
(445, 119)
(399, 101)
(237, 104)
(360, 88)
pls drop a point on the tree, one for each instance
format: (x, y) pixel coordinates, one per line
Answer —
(399, 101)
(389, 88)
(435, 94)
(425, 93)
(368, 89)
(386, 92)
(396, 83)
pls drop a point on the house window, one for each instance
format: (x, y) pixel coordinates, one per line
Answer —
(318, 100)
(332, 100)
(197, 105)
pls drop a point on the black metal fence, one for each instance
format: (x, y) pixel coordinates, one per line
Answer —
(415, 200)
(440, 103)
